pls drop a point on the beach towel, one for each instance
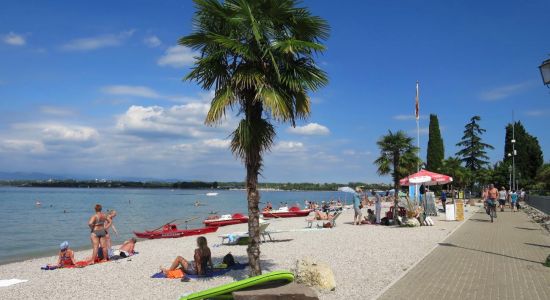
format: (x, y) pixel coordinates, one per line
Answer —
(213, 273)
(83, 263)
(8, 282)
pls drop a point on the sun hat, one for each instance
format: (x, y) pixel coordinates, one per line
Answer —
(64, 245)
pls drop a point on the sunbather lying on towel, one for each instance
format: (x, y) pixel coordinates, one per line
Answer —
(127, 248)
(202, 258)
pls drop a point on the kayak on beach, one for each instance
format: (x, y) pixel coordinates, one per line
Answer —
(171, 231)
(225, 220)
(271, 279)
(286, 212)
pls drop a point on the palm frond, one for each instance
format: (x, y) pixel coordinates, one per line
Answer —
(252, 138)
(224, 98)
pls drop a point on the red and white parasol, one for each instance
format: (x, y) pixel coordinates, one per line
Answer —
(426, 177)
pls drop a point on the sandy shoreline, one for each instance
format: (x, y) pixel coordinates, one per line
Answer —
(365, 259)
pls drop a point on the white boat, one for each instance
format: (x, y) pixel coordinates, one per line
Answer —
(211, 194)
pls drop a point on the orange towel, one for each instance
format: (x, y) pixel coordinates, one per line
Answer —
(177, 273)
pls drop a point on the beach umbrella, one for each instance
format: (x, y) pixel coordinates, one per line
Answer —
(346, 189)
(426, 177)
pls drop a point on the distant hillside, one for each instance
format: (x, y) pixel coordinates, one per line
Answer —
(29, 176)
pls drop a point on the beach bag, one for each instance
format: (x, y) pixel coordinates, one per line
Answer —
(228, 260)
(173, 274)
(384, 221)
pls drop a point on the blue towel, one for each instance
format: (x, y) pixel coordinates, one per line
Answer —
(212, 273)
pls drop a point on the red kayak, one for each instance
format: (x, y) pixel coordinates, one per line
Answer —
(171, 231)
(225, 220)
(287, 213)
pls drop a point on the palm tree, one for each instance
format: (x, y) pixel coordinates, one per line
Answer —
(398, 157)
(258, 56)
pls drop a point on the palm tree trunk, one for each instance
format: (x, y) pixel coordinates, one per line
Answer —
(396, 186)
(253, 198)
(253, 162)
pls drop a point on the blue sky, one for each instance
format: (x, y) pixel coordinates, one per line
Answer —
(94, 88)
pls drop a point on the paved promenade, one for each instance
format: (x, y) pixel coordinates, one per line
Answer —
(483, 260)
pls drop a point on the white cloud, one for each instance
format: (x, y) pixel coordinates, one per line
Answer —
(408, 117)
(177, 57)
(14, 39)
(58, 134)
(130, 90)
(102, 41)
(310, 129)
(204, 146)
(538, 113)
(180, 120)
(56, 111)
(23, 146)
(504, 91)
(288, 146)
(422, 131)
(152, 41)
(217, 143)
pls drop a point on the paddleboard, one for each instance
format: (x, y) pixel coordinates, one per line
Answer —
(224, 291)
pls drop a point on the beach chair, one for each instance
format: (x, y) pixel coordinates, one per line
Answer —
(332, 220)
(233, 238)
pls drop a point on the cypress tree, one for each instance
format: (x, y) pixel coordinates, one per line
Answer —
(529, 156)
(436, 150)
(473, 153)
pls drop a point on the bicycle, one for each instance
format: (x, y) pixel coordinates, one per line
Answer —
(491, 209)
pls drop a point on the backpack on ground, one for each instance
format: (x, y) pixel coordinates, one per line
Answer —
(229, 260)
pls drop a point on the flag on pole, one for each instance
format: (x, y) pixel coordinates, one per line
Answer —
(417, 106)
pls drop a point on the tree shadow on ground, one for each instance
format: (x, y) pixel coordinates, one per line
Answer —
(267, 266)
(488, 252)
(538, 245)
(479, 220)
(525, 228)
(280, 240)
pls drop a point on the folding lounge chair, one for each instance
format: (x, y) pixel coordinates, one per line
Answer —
(332, 221)
(233, 238)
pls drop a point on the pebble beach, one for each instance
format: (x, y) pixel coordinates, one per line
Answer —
(365, 260)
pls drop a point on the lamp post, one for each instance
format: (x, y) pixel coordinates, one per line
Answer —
(545, 72)
(513, 155)
(510, 180)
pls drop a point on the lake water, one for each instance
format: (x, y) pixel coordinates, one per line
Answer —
(28, 231)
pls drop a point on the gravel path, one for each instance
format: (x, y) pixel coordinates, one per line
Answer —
(365, 259)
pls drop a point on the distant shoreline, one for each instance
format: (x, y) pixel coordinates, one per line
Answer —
(184, 185)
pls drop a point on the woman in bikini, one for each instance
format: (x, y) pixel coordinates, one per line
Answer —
(203, 260)
(110, 216)
(98, 224)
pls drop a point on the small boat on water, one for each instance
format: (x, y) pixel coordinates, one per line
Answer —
(285, 212)
(211, 194)
(225, 220)
(171, 231)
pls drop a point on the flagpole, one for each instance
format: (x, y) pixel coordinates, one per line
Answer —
(417, 116)
(417, 127)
